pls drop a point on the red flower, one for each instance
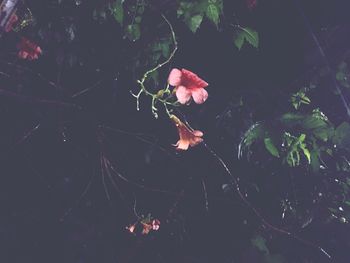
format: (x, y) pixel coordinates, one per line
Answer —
(28, 49)
(188, 84)
(188, 137)
(251, 4)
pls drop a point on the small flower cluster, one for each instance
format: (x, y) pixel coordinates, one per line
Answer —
(186, 86)
(148, 224)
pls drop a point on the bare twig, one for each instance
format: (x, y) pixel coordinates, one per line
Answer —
(235, 186)
(205, 195)
(37, 101)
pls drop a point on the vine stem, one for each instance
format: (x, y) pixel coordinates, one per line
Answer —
(141, 82)
(235, 185)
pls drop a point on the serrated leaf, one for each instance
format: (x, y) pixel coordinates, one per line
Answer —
(246, 34)
(252, 37)
(271, 147)
(212, 14)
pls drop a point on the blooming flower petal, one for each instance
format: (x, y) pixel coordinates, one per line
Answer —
(199, 95)
(188, 137)
(183, 94)
(174, 78)
(195, 141)
(197, 133)
(182, 145)
(191, 80)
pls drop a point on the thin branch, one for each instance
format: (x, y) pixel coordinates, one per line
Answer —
(77, 202)
(324, 57)
(205, 195)
(235, 185)
(145, 76)
(37, 101)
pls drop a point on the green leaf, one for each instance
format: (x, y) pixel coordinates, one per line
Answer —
(291, 119)
(306, 153)
(195, 22)
(165, 49)
(239, 41)
(212, 13)
(133, 32)
(342, 136)
(260, 243)
(254, 133)
(246, 34)
(315, 161)
(118, 11)
(271, 147)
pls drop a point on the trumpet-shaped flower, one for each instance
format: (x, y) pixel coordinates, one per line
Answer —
(188, 84)
(188, 137)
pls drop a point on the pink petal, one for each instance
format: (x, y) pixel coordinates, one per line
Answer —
(182, 145)
(174, 78)
(195, 141)
(183, 94)
(191, 80)
(197, 133)
(199, 95)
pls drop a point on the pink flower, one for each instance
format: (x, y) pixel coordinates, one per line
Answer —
(188, 84)
(131, 228)
(146, 228)
(188, 137)
(155, 224)
(28, 49)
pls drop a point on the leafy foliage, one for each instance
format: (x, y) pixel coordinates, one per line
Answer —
(193, 12)
(245, 34)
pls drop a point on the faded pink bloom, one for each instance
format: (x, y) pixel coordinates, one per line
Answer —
(28, 49)
(131, 228)
(188, 84)
(155, 224)
(188, 137)
(146, 228)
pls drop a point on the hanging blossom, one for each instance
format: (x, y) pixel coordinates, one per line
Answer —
(188, 84)
(28, 49)
(147, 224)
(188, 137)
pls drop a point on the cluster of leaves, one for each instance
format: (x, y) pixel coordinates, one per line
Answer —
(307, 141)
(193, 12)
(129, 15)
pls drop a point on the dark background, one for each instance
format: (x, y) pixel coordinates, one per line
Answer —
(46, 214)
